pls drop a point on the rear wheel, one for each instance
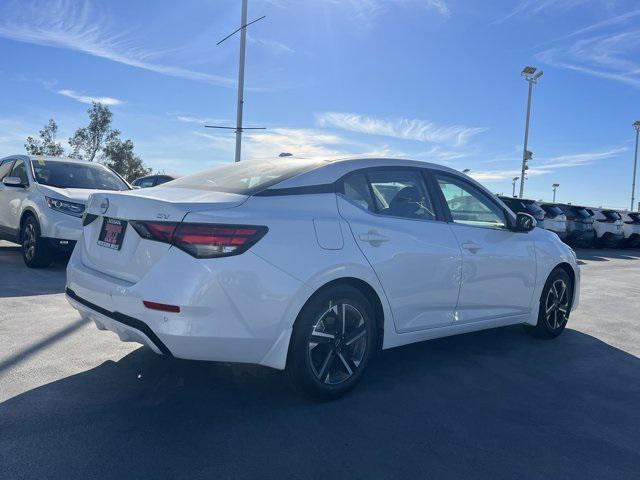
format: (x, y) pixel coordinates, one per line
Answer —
(333, 341)
(555, 306)
(36, 252)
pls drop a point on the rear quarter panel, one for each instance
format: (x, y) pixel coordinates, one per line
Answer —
(307, 240)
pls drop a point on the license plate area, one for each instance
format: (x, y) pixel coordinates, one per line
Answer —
(112, 233)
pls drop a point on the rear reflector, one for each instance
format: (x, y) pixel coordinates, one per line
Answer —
(202, 240)
(163, 307)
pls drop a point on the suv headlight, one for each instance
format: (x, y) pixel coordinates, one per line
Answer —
(63, 206)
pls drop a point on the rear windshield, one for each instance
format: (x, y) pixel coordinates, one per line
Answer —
(552, 210)
(635, 217)
(533, 208)
(87, 175)
(245, 178)
(582, 212)
(611, 215)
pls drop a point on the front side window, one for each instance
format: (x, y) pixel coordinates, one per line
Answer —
(469, 206)
(76, 175)
(20, 171)
(5, 168)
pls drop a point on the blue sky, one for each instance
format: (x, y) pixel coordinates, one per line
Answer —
(435, 80)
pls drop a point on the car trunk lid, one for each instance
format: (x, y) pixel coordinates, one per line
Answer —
(112, 246)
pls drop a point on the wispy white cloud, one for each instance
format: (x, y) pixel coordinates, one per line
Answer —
(529, 8)
(545, 166)
(81, 27)
(273, 46)
(403, 128)
(90, 99)
(370, 7)
(611, 56)
(201, 120)
(301, 142)
(608, 48)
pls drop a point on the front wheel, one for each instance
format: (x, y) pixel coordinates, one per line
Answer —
(333, 340)
(555, 306)
(36, 252)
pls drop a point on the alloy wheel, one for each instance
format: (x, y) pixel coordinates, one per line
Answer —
(338, 343)
(557, 304)
(29, 241)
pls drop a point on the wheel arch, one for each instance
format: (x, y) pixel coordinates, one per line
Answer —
(27, 213)
(369, 292)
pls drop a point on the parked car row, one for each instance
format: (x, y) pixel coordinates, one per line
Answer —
(582, 226)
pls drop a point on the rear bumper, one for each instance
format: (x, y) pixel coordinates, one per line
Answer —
(240, 309)
(62, 244)
(611, 239)
(580, 236)
(129, 329)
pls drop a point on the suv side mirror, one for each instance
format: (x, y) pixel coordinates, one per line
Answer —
(12, 182)
(524, 222)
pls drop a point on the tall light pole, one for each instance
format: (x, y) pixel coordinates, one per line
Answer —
(513, 184)
(531, 75)
(243, 47)
(555, 187)
(636, 125)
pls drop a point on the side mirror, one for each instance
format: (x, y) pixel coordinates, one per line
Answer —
(12, 182)
(524, 222)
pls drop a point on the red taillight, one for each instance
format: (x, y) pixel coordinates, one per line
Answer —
(209, 241)
(159, 231)
(202, 240)
(163, 307)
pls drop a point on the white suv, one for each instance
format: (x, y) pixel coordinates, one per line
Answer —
(42, 201)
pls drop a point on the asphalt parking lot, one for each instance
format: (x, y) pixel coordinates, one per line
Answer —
(78, 403)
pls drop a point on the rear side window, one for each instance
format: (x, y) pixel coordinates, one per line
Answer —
(394, 193)
(5, 168)
(146, 182)
(552, 211)
(401, 193)
(356, 189)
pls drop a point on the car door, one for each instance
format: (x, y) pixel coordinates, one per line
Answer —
(498, 264)
(412, 251)
(16, 195)
(5, 195)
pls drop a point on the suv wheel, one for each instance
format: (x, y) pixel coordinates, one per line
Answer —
(555, 306)
(333, 340)
(36, 252)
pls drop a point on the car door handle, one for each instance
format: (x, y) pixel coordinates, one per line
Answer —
(471, 246)
(374, 238)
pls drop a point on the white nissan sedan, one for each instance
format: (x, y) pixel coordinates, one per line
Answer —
(313, 266)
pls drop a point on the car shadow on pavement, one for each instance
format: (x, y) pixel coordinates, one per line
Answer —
(17, 280)
(603, 255)
(493, 404)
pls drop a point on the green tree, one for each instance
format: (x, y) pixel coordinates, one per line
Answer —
(46, 143)
(87, 142)
(119, 156)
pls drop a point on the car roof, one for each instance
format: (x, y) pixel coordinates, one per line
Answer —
(47, 158)
(328, 171)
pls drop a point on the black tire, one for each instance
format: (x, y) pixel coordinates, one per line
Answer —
(555, 306)
(36, 251)
(324, 362)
